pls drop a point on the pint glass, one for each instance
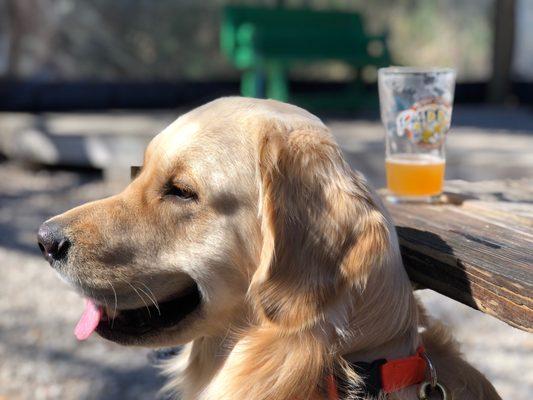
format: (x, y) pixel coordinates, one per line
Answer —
(416, 110)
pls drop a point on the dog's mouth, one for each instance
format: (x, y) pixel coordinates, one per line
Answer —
(112, 324)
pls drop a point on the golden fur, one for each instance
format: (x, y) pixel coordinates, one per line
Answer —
(294, 255)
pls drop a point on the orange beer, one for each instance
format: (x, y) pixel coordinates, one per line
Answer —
(414, 174)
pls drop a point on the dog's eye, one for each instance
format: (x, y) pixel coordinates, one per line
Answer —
(181, 192)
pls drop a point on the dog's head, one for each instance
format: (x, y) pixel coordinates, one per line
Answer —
(243, 208)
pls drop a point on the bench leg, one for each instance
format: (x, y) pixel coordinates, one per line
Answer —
(277, 82)
(253, 83)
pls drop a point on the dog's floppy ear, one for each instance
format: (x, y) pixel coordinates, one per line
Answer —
(322, 233)
(322, 230)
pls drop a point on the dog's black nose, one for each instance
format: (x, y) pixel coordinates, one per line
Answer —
(52, 242)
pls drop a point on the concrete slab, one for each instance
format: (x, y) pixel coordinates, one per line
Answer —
(501, 146)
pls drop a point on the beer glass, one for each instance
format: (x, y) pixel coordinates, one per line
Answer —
(416, 110)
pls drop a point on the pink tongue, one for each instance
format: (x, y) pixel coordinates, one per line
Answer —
(88, 321)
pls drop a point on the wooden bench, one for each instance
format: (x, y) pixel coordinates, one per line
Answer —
(476, 247)
(265, 42)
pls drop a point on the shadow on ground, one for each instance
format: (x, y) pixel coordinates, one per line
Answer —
(31, 195)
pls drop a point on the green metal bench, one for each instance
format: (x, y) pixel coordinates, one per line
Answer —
(265, 42)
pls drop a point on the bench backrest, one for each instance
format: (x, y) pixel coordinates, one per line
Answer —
(249, 33)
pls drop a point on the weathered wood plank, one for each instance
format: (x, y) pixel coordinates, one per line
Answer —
(134, 171)
(478, 252)
(516, 213)
(516, 190)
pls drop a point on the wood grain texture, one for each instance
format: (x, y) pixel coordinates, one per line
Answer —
(134, 171)
(476, 247)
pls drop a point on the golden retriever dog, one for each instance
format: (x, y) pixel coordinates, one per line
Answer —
(248, 239)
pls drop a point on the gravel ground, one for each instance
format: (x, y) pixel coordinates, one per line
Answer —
(39, 355)
(40, 358)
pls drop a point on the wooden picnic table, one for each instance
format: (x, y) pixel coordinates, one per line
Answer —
(475, 247)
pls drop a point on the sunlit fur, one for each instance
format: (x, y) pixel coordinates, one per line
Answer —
(296, 259)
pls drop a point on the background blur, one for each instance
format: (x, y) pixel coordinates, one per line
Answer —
(169, 40)
(85, 84)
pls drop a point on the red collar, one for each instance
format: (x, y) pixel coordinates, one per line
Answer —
(385, 375)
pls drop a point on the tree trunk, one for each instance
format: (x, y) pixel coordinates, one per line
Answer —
(502, 50)
(14, 37)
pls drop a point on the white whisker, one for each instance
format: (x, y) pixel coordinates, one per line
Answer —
(140, 297)
(152, 297)
(116, 304)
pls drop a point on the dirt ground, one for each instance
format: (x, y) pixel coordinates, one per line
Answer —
(40, 358)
